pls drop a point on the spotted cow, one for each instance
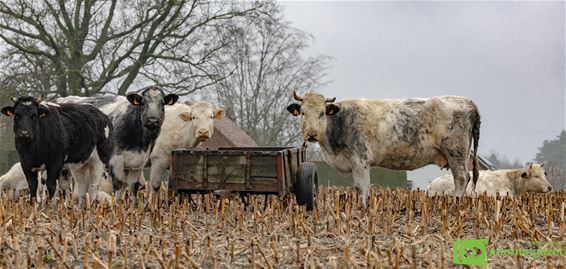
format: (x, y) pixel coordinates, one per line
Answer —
(52, 137)
(399, 134)
(137, 120)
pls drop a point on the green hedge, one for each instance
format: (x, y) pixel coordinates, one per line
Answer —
(329, 176)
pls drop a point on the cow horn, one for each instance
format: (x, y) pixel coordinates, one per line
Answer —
(297, 97)
(40, 99)
(330, 100)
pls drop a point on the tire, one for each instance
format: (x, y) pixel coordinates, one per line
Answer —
(305, 187)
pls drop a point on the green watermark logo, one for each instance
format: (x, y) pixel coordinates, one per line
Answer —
(470, 252)
(474, 252)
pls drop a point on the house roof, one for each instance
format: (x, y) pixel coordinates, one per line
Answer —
(485, 164)
(228, 134)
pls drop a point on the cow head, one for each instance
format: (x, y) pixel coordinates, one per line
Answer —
(534, 178)
(152, 102)
(27, 113)
(202, 117)
(314, 109)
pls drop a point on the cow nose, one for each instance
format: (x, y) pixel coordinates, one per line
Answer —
(549, 188)
(312, 136)
(203, 133)
(24, 134)
(152, 122)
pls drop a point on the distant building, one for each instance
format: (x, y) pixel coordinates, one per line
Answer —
(228, 134)
(483, 163)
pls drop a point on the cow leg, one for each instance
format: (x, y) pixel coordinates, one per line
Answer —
(360, 173)
(31, 178)
(95, 170)
(460, 175)
(81, 182)
(118, 175)
(65, 183)
(461, 178)
(158, 169)
(133, 182)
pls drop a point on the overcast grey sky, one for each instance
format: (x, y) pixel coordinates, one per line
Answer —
(506, 56)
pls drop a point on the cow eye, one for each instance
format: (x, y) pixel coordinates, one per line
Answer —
(33, 117)
(321, 114)
(194, 117)
(544, 173)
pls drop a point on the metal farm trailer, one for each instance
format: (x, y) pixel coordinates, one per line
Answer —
(254, 170)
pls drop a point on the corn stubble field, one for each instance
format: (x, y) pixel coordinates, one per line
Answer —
(400, 229)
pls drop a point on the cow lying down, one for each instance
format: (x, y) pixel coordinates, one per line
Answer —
(512, 182)
(105, 190)
(14, 181)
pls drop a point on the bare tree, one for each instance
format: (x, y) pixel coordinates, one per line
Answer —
(265, 64)
(83, 47)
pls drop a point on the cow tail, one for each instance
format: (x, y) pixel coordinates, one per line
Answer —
(476, 122)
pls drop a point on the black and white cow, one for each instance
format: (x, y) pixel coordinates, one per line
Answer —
(137, 121)
(51, 136)
(400, 134)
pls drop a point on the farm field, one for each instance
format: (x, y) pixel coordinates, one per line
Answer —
(400, 229)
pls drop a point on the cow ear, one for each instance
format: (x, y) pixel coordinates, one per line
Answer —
(332, 109)
(525, 175)
(8, 111)
(135, 99)
(185, 116)
(170, 99)
(294, 109)
(219, 113)
(42, 112)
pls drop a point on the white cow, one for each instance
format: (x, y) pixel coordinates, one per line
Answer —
(512, 182)
(15, 181)
(184, 126)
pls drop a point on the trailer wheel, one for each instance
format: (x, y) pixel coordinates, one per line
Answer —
(306, 185)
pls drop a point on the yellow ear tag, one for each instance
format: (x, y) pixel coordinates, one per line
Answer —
(170, 102)
(42, 115)
(296, 112)
(9, 113)
(136, 102)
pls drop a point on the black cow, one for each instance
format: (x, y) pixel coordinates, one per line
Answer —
(137, 121)
(50, 136)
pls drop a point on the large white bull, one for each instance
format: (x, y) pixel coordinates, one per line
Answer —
(400, 134)
(512, 182)
(184, 126)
